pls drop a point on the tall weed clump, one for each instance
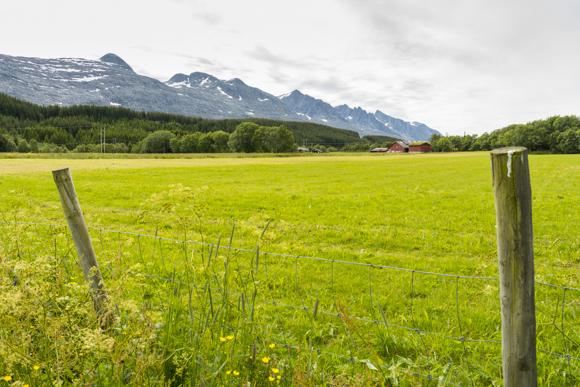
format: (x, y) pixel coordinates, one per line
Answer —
(49, 332)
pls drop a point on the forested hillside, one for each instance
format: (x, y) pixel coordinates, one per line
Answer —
(75, 125)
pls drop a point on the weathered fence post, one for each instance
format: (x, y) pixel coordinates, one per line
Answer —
(84, 247)
(513, 210)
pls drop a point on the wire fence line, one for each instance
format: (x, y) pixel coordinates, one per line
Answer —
(347, 294)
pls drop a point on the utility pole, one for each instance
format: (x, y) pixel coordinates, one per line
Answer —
(103, 140)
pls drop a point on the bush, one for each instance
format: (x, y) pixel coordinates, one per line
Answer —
(7, 145)
(47, 148)
(80, 149)
(137, 147)
(23, 146)
(121, 148)
(33, 146)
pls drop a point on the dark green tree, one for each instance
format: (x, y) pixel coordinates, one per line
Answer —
(569, 141)
(175, 144)
(157, 142)
(277, 140)
(220, 141)
(189, 143)
(205, 143)
(444, 144)
(241, 138)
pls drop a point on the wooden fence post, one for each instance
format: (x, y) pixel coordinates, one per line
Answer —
(84, 247)
(513, 209)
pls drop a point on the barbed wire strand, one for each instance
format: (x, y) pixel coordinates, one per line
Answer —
(568, 357)
(331, 261)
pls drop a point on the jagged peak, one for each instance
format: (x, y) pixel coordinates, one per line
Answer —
(294, 93)
(200, 75)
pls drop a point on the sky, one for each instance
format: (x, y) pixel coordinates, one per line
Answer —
(458, 66)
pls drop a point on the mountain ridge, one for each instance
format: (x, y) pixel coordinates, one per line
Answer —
(110, 81)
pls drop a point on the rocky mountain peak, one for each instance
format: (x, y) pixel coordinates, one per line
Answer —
(115, 59)
(179, 78)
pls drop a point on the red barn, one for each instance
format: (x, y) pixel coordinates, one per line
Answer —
(399, 147)
(419, 147)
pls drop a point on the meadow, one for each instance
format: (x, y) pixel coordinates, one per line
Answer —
(269, 302)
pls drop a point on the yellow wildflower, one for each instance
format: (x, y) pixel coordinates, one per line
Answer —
(8, 378)
(222, 339)
(236, 373)
(265, 359)
(270, 378)
(36, 367)
(279, 377)
(231, 337)
(228, 372)
(275, 370)
(272, 345)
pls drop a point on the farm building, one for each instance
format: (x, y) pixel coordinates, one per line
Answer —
(399, 147)
(379, 150)
(419, 147)
(302, 149)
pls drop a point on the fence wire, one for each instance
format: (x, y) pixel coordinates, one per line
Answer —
(434, 318)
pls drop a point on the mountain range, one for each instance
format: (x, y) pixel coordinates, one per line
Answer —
(112, 81)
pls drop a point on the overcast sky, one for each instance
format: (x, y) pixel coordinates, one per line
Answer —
(455, 65)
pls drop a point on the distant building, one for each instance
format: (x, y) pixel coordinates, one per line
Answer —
(419, 147)
(375, 150)
(315, 151)
(301, 149)
(399, 147)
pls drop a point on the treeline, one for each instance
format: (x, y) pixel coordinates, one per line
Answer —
(72, 126)
(248, 137)
(557, 134)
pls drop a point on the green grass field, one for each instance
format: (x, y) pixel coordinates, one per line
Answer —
(430, 212)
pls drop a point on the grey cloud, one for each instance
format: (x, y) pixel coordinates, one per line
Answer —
(264, 55)
(208, 17)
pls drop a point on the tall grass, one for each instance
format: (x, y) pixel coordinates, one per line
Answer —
(190, 313)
